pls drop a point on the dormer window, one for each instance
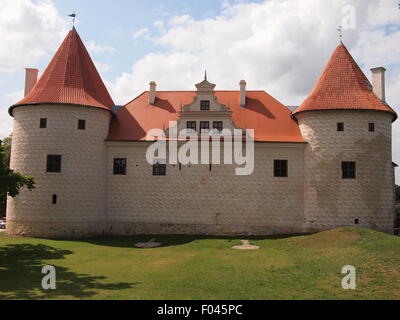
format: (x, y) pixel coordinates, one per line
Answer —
(191, 125)
(204, 126)
(204, 105)
(218, 125)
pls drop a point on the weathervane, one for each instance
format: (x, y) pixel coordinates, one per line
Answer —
(72, 15)
(340, 30)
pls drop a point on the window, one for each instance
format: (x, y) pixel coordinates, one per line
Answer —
(53, 163)
(54, 199)
(191, 125)
(217, 125)
(204, 105)
(120, 166)
(204, 125)
(348, 170)
(43, 123)
(371, 127)
(159, 169)
(356, 221)
(340, 126)
(81, 124)
(280, 168)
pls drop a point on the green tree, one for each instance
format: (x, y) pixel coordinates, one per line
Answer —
(11, 182)
(6, 143)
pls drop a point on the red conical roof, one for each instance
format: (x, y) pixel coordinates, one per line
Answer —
(343, 86)
(70, 78)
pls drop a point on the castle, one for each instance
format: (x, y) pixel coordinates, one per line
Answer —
(326, 164)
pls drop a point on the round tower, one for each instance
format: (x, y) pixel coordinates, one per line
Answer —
(58, 137)
(348, 160)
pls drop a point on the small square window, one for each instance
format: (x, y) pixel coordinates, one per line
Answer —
(280, 168)
(204, 126)
(348, 170)
(54, 199)
(191, 125)
(218, 125)
(53, 163)
(119, 166)
(159, 169)
(81, 124)
(43, 123)
(340, 126)
(371, 127)
(205, 105)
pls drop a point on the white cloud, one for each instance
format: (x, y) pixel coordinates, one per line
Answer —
(102, 67)
(140, 33)
(20, 47)
(92, 47)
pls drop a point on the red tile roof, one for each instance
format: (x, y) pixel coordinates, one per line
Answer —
(343, 85)
(70, 78)
(268, 117)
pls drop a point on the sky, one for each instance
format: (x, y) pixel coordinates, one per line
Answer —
(280, 46)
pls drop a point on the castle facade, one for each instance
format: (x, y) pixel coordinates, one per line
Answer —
(326, 164)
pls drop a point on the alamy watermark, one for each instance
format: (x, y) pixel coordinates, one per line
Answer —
(49, 280)
(349, 280)
(195, 148)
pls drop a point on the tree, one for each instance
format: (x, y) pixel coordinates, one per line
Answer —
(6, 143)
(397, 193)
(11, 182)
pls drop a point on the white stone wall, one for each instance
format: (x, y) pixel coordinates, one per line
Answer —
(80, 186)
(196, 200)
(329, 200)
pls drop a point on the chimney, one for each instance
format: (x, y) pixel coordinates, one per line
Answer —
(31, 76)
(152, 92)
(242, 84)
(378, 82)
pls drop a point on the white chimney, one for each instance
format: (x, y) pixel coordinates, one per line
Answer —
(31, 76)
(152, 92)
(242, 84)
(378, 82)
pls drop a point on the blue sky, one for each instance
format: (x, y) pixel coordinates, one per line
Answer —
(280, 46)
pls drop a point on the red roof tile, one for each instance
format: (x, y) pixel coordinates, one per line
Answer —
(268, 117)
(343, 85)
(70, 78)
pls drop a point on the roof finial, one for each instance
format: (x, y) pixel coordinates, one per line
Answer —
(72, 15)
(205, 75)
(340, 29)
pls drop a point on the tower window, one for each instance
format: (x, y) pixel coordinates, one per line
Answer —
(159, 169)
(53, 163)
(120, 166)
(204, 126)
(356, 221)
(280, 168)
(54, 199)
(348, 170)
(191, 125)
(43, 123)
(217, 125)
(340, 126)
(205, 105)
(81, 124)
(371, 127)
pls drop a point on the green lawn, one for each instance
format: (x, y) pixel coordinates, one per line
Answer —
(185, 267)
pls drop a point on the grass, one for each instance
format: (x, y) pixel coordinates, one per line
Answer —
(187, 267)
